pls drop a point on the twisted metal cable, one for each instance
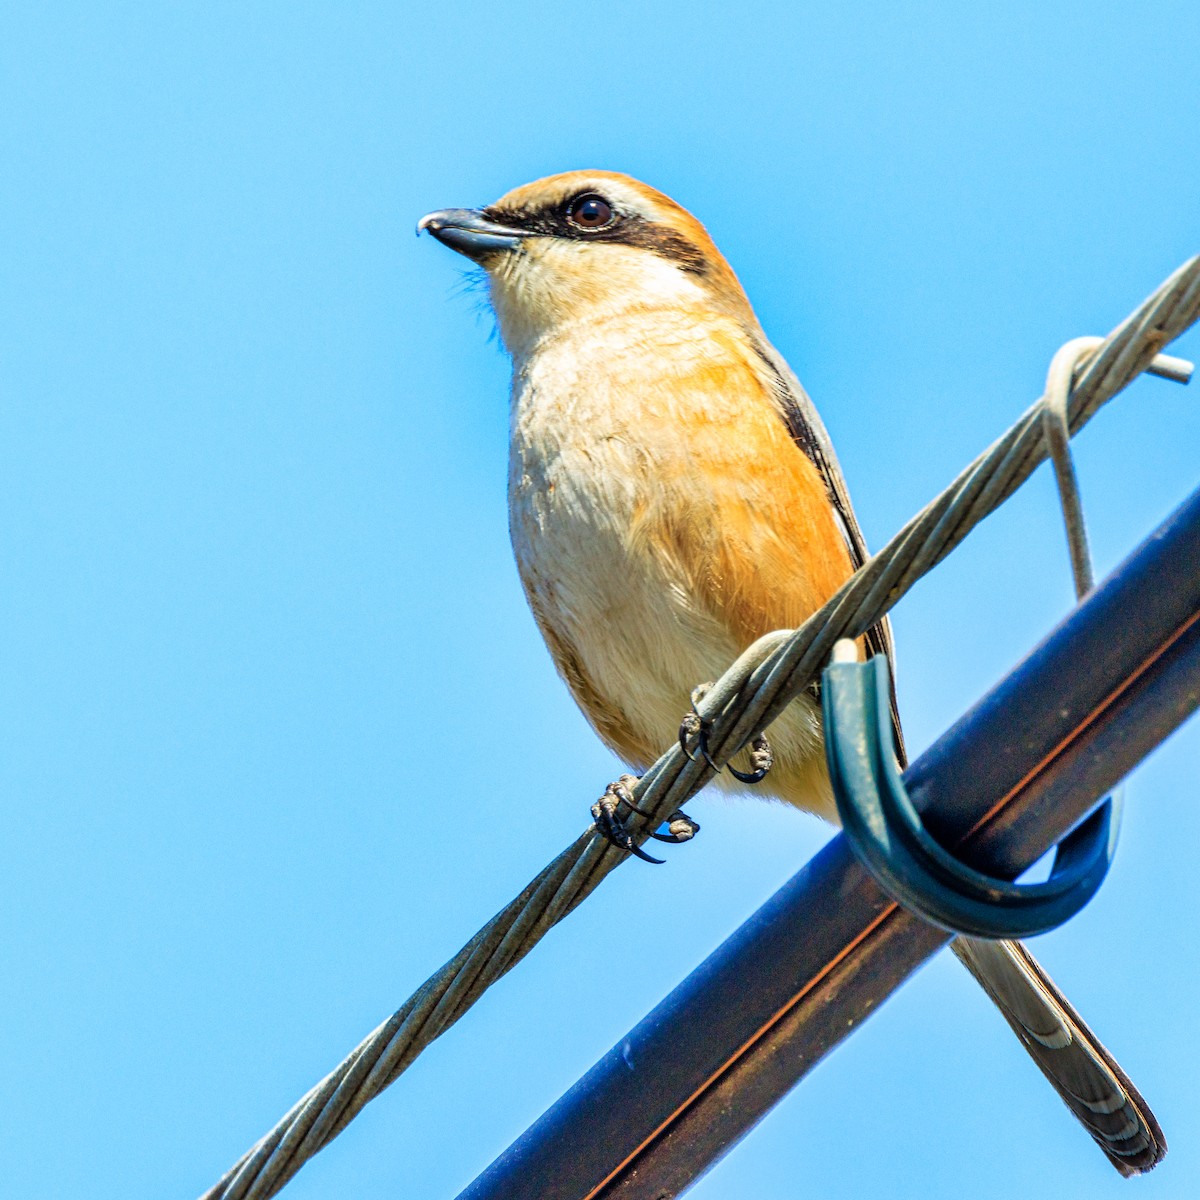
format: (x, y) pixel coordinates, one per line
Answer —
(744, 701)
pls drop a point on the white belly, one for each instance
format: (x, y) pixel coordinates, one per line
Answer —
(624, 608)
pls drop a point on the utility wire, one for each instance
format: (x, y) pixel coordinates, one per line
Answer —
(743, 702)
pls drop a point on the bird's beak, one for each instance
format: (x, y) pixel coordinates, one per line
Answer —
(469, 232)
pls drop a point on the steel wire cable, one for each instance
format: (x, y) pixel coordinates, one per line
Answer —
(740, 704)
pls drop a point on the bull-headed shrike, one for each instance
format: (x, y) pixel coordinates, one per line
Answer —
(673, 495)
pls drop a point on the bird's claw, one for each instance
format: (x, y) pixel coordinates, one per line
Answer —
(681, 828)
(763, 759)
(694, 726)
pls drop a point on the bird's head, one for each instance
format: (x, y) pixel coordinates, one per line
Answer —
(583, 246)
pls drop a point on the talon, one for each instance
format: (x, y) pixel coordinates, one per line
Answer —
(691, 726)
(681, 828)
(763, 758)
(604, 811)
(623, 790)
(638, 852)
(694, 725)
(702, 746)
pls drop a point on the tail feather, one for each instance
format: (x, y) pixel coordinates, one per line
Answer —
(1068, 1053)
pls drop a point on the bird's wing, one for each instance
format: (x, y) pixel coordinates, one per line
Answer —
(808, 431)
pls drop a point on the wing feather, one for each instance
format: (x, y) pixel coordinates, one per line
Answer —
(810, 435)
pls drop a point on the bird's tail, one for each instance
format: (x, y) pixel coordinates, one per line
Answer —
(1067, 1052)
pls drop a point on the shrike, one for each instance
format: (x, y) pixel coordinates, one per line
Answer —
(673, 495)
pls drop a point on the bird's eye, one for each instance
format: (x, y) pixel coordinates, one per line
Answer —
(590, 212)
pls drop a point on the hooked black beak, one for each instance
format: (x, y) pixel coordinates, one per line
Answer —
(469, 232)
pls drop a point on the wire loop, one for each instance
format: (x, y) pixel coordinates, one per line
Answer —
(886, 832)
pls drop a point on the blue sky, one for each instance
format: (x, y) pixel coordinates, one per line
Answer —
(278, 731)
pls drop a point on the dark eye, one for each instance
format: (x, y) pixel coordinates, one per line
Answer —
(590, 212)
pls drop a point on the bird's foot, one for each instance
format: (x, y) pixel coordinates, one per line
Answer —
(680, 827)
(694, 726)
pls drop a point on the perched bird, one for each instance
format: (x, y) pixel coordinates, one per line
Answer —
(673, 495)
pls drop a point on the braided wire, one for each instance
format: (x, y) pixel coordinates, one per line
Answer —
(743, 701)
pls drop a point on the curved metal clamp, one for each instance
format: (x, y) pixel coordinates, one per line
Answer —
(887, 834)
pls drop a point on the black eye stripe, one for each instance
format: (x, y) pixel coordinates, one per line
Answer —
(627, 229)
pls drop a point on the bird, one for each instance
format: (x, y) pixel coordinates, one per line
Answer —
(673, 496)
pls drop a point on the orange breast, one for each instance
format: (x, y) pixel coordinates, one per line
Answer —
(743, 508)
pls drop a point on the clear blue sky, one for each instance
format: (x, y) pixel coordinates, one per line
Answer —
(277, 730)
